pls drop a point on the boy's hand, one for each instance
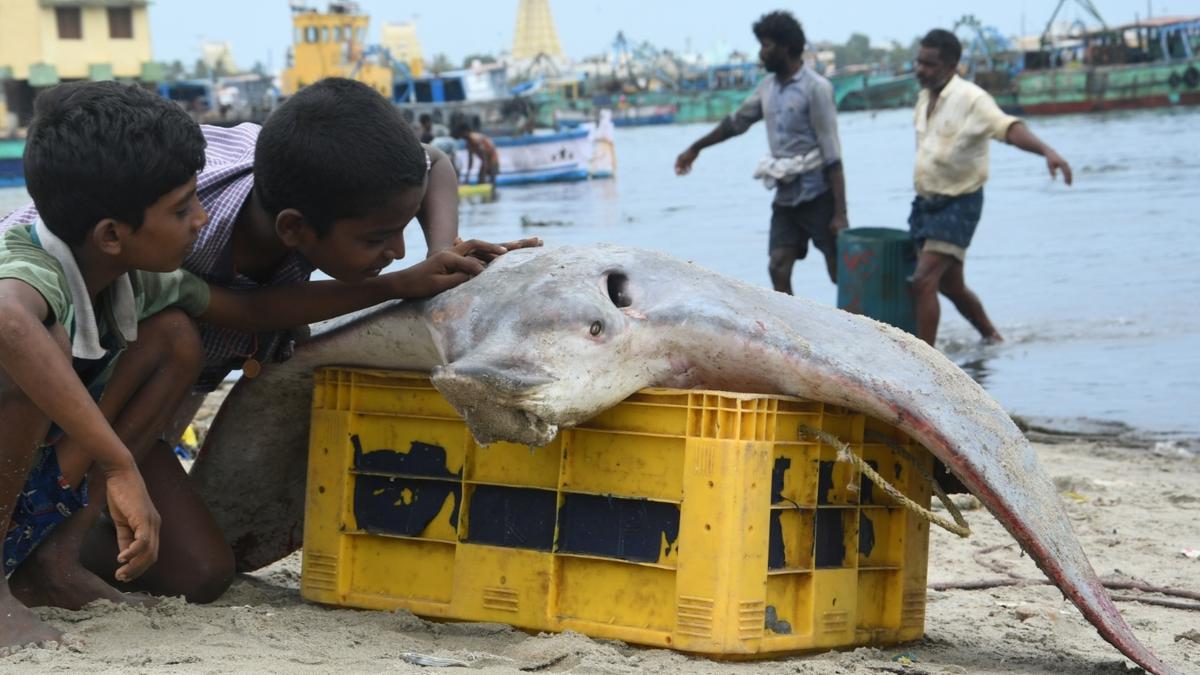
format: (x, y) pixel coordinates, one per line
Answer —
(136, 519)
(478, 249)
(492, 251)
(531, 242)
(441, 271)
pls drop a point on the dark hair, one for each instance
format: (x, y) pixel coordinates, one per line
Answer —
(337, 149)
(425, 117)
(99, 150)
(459, 124)
(948, 46)
(783, 29)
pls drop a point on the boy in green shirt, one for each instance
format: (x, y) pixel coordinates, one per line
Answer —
(96, 346)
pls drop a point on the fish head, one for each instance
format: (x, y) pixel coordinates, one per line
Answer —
(543, 351)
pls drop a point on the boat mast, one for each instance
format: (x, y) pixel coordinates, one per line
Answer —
(1086, 5)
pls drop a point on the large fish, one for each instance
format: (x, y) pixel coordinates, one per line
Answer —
(547, 338)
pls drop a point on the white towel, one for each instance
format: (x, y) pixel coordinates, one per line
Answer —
(86, 343)
(775, 170)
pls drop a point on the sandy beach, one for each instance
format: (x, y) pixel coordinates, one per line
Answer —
(1134, 504)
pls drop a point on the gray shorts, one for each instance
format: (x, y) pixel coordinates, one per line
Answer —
(793, 226)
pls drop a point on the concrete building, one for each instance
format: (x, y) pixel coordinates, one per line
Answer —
(44, 42)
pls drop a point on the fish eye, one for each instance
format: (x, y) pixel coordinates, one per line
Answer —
(597, 328)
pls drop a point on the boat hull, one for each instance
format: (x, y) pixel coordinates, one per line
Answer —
(574, 155)
(1101, 88)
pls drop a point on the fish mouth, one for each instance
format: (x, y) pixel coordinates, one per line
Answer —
(498, 404)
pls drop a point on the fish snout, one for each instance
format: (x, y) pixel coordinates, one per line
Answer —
(484, 382)
(493, 402)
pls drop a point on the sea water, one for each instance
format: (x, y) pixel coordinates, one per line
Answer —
(1096, 287)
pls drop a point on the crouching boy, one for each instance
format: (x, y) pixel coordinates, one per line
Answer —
(97, 346)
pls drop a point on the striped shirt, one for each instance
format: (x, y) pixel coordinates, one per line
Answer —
(223, 187)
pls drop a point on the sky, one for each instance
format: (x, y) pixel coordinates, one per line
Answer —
(260, 30)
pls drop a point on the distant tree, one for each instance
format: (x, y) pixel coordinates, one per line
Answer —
(200, 70)
(441, 63)
(482, 58)
(856, 51)
(900, 57)
(259, 69)
(176, 70)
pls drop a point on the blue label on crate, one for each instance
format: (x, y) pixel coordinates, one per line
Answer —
(628, 529)
(514, 517)
(776, 555)
(400, 505)
(824, 482)
(830, 538)
(780, 468)
(422, 459)
(406, 503)
(866, 534)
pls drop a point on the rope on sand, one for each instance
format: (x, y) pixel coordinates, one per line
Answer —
(1111, 584)
(959, 526)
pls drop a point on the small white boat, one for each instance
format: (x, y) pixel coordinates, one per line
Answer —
(578, 154)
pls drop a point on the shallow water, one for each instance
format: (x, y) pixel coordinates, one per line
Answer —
(1095, 286)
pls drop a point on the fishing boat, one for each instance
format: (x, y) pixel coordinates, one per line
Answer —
(11, 166)
(476, 192)
(1144, 64)
(584, 153)
(870, 91)
(331, 43)
(629, 116)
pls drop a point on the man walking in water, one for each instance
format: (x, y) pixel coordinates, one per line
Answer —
(805, 164)
(954, 120)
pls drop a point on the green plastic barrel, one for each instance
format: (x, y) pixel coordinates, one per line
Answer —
(874, 266)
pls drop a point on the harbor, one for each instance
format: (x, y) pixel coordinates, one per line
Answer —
(620, 446)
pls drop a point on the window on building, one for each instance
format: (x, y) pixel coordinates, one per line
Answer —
(70, 23)
(120, 23)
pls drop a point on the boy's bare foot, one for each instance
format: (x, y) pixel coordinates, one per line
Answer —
(19, 626)
(993, 339)
(51, 577)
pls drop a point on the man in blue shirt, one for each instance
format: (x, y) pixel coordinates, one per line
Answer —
(805, 164)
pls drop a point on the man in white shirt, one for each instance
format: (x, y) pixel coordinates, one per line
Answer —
(954, 120)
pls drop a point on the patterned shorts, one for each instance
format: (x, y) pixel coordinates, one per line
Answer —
(46, 501)
(945, 224)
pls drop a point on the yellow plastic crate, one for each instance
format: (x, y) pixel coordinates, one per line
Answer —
(694, 520)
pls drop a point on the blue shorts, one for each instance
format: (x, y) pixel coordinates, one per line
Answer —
(45, 501)
(951, 220)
